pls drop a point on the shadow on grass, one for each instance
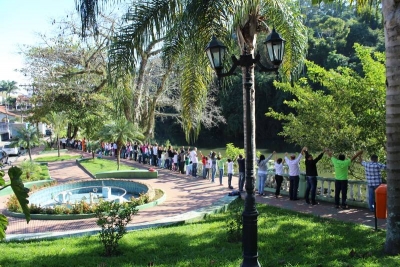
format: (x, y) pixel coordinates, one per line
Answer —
(285, 238)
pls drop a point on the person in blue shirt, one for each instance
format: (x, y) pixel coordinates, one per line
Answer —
(373, 174)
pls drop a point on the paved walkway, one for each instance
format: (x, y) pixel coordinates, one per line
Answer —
(187, 198)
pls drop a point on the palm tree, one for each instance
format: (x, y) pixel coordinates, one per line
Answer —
(121, 131)
(58, 122)
(186, 26)
(28, 138)
(8, 87)
(392, 41)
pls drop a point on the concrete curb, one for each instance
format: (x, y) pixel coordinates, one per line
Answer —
(192, 216)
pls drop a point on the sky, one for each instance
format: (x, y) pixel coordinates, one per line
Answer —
(20, 22)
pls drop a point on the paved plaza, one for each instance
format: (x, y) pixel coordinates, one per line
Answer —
(187, 198)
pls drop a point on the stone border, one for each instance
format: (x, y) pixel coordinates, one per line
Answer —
(8, 191)
(128, 174)
(52, 151)
(192, 216)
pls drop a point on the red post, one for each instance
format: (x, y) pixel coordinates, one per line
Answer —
(380, 199)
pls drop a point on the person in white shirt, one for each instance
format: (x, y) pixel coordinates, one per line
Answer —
(294, 173)
(155, 155)
(262, 172)
(193, 158)
(114, 149)
(278, 176)
(175, 160)
(230, 173)
(208, 167)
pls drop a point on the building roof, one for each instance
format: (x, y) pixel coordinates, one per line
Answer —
(3, 111)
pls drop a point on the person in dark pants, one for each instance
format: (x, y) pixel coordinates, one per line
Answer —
(374, 177)
(135, 151)
(311, 176)
(278, 176)
(242, 172)
(182, 157)
(341, 166)
(294, 174)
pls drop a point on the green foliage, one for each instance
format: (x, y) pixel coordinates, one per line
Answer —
(32, 171)
(113, 217)
(13, 204)
(36, 209)
(82, 207)
(234, 222)
(28, 138)
(346, 115)
(3, 226)
(233, 152)
(102, 165)
(120, 131)
(323, 242)
(56, 158)
(19, 190)
(142, 199)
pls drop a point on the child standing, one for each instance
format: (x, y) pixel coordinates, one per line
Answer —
(230, 173)
(189, 168)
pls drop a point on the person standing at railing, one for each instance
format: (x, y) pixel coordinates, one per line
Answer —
(311, 176)
(373, 175)
(194, 159)
(230, 172)
(278, 176)
(341, 166)
(262, 172)
(203, 162)
(220, 163)
(294, 173)
(242, 170)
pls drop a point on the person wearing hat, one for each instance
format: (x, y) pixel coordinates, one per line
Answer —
(373, 175)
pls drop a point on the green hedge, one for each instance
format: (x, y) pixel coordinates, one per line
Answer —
(128, 174)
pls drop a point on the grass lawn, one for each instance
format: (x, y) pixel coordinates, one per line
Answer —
(56, 158)
(285, 238)
(102, 165)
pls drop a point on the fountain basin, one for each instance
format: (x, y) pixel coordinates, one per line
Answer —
(90, 191)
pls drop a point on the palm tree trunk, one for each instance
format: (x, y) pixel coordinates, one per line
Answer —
(392, 42)
(118, 156)
(58, 146)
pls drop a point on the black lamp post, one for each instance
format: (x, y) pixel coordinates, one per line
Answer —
(216, 51)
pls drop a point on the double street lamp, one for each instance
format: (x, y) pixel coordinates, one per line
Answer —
(216, 52)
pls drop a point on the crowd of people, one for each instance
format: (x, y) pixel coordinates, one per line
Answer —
(182, 160)
(341, 169)
(186, 161)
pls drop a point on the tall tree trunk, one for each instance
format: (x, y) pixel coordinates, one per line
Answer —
(119, 146)
(29, 151)
(149, 132)
(391, 10)
(58, 146)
